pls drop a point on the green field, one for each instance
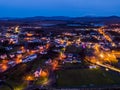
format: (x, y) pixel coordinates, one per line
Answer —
(86, 77)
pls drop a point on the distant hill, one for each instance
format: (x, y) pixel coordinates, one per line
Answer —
(38, 18)
(110, 19)
(49, 18)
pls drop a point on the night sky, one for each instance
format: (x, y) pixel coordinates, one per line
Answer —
(28, 8)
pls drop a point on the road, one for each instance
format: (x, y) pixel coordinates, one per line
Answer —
(109, 67)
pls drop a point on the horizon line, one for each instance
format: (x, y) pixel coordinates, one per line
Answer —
(59, 16)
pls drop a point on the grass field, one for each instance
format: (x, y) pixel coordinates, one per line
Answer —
(86, 77)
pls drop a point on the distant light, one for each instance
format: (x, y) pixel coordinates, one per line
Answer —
(107, 69)
(29, 78)
(101, 55)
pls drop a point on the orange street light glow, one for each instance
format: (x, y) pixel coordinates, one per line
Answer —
(101, 55)
(4, 67)
(29, 78)
(43, 74)
(29, 34)
(18, 61)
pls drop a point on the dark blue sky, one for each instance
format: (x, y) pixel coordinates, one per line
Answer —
(27, 8)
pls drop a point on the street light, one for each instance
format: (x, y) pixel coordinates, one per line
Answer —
(102, 55)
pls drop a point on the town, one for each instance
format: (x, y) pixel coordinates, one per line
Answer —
(59, 54)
